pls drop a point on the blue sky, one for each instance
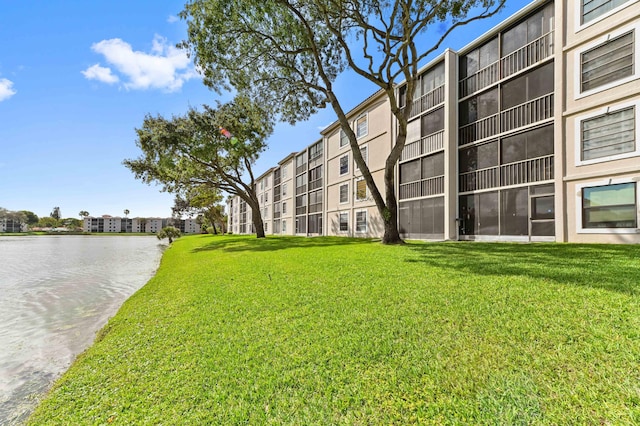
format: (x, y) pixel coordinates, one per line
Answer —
(76, 79)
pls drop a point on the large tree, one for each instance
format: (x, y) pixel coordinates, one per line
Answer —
(212, 148)
(204, 202)
(288, 53)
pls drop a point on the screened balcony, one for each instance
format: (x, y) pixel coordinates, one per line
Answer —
(422, 188)
(424, 146)
(521, 172)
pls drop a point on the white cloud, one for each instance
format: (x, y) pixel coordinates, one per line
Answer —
(96, 72)
(6, 89)
(166, 67)
(172, 18)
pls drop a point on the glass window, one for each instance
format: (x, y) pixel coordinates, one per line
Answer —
(284, 208)
(284, 189)
(361, 221)
(361, 190)
(528, 86)
(344, 222)
(608, 62)
(591, 9)
(514, 211)
(344, 193)
(410, 171)
(608, 134)
(433, 166)
(433, 122)
(609, 206)
(344, 139)
(362, 127)
(364, 151)
(344, 165)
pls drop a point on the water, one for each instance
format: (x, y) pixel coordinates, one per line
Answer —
(56, 292)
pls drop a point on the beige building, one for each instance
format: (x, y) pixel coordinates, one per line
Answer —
(529, 133)
(112, 224)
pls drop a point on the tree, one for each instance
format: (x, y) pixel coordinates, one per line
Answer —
(56, 213)
(169, 232)
(203, 202)
(83, 214)
(72, 223)
(30, 217)
(126, 212)
(192, 151)
(288, 54)
(48, 222)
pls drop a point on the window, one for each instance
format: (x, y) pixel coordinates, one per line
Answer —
(344, 139)
(361, 221)
(344, 165)
(608, 62)
(361, 190)
(609, 135)
(433, 78)
(609, 206)
(284, 209)
(284, 171)
(315, 151)
(344, 222)
(284, 226)
(432, 122)
(592, 9)
(344, 193)
(284, 189)
(362, 126)
(364, 151)
(266, 197)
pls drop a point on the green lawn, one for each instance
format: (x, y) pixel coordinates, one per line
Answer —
(235, 330)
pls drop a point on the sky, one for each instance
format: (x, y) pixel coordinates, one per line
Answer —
(77, 78)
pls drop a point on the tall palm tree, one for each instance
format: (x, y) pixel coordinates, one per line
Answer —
(126, 212)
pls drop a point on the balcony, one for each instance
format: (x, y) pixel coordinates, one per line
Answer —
(315, 184)
(531, 112)
(522, 115)
(301, 169)
(427, 145)
(301, 189)
(427, 101)
(518, 173)
(528, 55)
(422, 188)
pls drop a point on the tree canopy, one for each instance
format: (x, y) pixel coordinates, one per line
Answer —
(212, 148)
(204, 202)
(288, 53)
(169, 232)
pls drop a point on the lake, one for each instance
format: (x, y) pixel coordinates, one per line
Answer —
(56, 292)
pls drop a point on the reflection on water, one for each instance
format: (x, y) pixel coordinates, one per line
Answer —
(56, 292)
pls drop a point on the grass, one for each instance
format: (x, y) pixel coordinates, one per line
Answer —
(234, 330)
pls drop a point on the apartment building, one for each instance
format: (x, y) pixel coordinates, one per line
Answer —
(529, 133)
(350, 209)
(283, 222)
(264, 192)
(110, 224)
(10, 225)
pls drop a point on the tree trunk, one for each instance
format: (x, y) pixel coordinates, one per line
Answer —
(257, 222)
(390, 212)
(213, 225)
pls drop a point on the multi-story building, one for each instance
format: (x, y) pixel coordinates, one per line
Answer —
(264, 192)
(350, 209)
(529, 133)
(10, 225)
(283, 201)
(110, 224)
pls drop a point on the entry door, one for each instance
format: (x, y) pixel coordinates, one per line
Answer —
(543, 215)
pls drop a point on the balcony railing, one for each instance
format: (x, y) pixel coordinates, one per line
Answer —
(300, 169)
(534, 170)
(422, 188)
(301, 189)
(528, 55)
(276, 215)
(534, 52)
(526, 171)
(428, 144)
(481, 79)
(314, 208)
(531, 112)
(315, 184)
(427, 101)
(480, 129)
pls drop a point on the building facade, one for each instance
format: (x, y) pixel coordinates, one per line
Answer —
(529, 133)
(109, 224)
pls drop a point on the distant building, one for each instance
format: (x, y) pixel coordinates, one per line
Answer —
(109, 224)
(10, 225)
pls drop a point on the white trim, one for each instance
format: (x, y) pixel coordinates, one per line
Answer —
(578, 14)
(340, 165)
(577, 68)
(355, 221)
(340, 185)
(366, 116)
(340, 133)
(355, 190)
(606, 182)
(339, 214)
(610, 109)
(366, 157)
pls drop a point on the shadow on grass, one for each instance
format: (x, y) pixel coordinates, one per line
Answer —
(238, 243)
(610, 267)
